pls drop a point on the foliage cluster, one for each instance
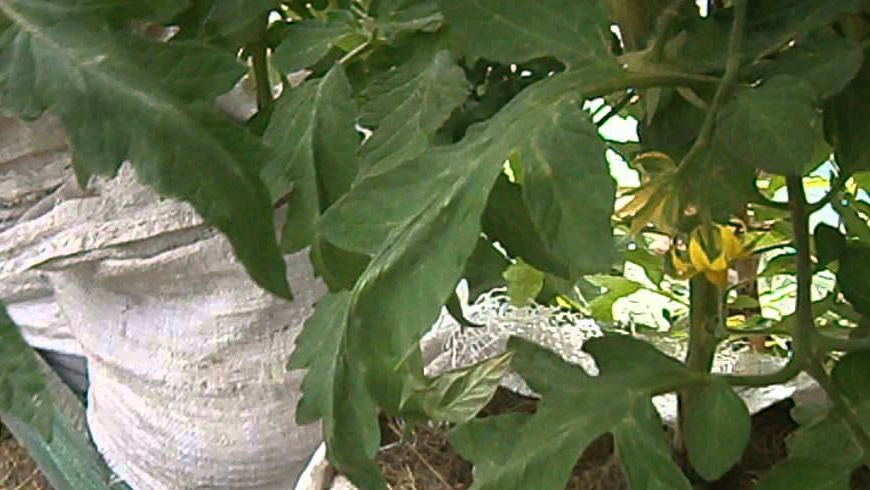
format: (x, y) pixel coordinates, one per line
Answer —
(440, 140)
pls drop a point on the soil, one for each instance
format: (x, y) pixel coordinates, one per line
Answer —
(17, 470)
(426, 461)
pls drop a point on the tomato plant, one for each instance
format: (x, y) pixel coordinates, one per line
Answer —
(440, 140)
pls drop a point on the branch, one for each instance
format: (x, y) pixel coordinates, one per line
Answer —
(265, 102)
(732, 67)
(789, 371)
(620, 105)
(805, 329)
(664, 26)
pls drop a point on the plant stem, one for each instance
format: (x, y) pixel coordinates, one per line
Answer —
(789, 371)
(350, 55)
(615, 109)
(705, 319)
(732, 67)
(664, 28)
(805, 330)
(265, 101)
(828, 343)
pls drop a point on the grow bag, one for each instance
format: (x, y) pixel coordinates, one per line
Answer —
(186, 355)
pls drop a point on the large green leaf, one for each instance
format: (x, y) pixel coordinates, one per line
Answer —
(717, 428)
(228, 23)
(574, 410)
(827, 61)
(114, 110)
(415, 99)
(568, 189)
(397, 17)
(703, 45)
(307, 41)
(334, 393)
(484, 269)
(574, 31)
(824, 453)
(52, 11)
(830, 243)
(774, 127)
(507, 221)
(847, 122)
(23, 392)
(853, 276)
(796, 474)
(312, 131)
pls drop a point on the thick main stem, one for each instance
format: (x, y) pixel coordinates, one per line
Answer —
(705, 316)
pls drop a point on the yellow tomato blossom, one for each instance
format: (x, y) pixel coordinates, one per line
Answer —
(657, 200)
(711, 250)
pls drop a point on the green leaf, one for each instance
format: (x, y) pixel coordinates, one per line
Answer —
(575, 32)
(307, 41)
(796, 474)
(703, 46)
(646, 453)
(48, 12)
(524, 283)
(717, 428)
(830, 243)
(312, 132)
(540, 450)
(397, 17)
(413, 100)
(114, 110)
(506, 220)
(23, 392)
(827, 61)
(617, 287)
(773, 127)
(424, 243)
(853, 276)
(230, 24)
(458, 396)
(824, 453)
(568, 189)
(317, 349)
(847, 122)
(484, 270)
(332, 392)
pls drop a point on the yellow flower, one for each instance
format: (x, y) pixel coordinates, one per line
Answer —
(657, 200)
(711, 250)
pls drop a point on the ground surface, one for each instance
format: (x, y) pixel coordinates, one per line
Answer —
(425, 461)
(17, 470)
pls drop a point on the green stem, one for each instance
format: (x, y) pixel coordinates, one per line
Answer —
(789, 371)
(732, 67)
(664, 29)
(353, 53)
(805, 330)
(615, 109)
(265, 101)
(705, 321)
(827, 343)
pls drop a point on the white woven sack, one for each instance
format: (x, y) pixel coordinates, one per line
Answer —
(189, 388)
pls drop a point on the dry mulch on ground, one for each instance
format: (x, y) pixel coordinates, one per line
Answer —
(426, 461)
(17, 470)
